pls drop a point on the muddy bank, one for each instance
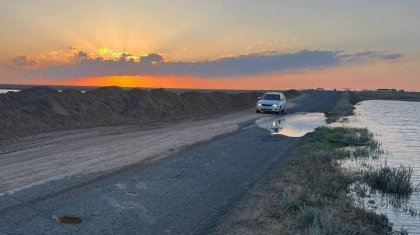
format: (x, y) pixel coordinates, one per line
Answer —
(42, 109)
(359, 96)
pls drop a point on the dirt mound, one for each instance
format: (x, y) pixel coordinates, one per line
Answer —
(291, 93)
(42, 109)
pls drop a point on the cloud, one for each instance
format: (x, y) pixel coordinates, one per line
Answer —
(370, 55)
(23, 61)
(245, 65)
(81, 55)
(152, 58)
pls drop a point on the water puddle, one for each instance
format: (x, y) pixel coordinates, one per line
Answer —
(293, 125)
(396, 126)
(7, 90)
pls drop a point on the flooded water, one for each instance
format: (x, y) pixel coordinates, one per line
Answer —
(293, 125)
(2, 91)
(396, 125)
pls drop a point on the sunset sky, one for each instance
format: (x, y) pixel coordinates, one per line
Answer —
(231, 44)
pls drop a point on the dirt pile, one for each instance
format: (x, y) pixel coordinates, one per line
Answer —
(42, 109)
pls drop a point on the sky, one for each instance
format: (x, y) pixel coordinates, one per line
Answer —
(212, 44)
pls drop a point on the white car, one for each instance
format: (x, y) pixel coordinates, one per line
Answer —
(272, 102)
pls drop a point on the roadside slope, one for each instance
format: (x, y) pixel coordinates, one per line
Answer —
(43, 109)
(186, 193)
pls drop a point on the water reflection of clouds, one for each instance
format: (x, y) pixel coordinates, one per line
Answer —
(294, 125)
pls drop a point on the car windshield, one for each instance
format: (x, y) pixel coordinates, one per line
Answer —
(271, 97)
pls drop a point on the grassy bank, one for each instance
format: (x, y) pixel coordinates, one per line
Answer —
(310, 195)
(389, 179)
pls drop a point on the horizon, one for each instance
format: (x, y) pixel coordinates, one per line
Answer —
(235, 45)
(20, 87)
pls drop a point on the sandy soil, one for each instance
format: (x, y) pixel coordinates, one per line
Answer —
(51, 156)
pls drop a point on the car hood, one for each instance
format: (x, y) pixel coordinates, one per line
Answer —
(269, 102)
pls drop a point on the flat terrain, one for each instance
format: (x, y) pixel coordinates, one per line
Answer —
(100, 174)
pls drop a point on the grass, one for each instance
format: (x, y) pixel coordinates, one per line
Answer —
(401, 231)
(310, 195)
(321, 205)
(390, 180)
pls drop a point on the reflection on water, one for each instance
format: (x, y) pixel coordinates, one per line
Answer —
(2, 91)
(293, 125)
(396, 125)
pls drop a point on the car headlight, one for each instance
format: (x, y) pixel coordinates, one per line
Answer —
(259, 104)
(274, 105)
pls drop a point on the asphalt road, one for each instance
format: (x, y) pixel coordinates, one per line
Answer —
(186, 193)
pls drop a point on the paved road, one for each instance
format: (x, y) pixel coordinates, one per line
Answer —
(187, 193)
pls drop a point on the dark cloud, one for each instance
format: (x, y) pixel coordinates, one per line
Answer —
(81, 55)
(244, 65)
(124, 56)
(370, 55)
(152, 58)
(23, 61)
(391, 57)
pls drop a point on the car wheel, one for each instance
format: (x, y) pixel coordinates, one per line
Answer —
(283, 111)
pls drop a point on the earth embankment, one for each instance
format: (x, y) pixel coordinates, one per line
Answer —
(42, 109)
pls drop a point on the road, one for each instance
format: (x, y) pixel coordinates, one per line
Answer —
(185, 193)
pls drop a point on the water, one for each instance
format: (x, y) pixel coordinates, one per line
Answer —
(7, 90)
(396, 125)
(293, 125)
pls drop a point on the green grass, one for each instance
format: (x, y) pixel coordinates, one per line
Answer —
(314, 188)
(389, 179)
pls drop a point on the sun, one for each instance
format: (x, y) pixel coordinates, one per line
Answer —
(104, 51)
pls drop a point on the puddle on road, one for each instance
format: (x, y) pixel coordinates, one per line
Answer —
(293, 125)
